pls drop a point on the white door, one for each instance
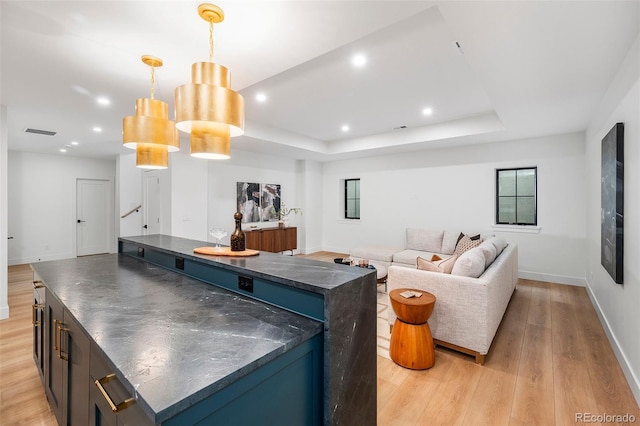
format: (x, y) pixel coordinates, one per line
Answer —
(92, 216)
(151, 204)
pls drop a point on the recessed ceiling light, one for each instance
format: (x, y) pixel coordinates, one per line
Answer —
(97, 129)
(359, 60)
(103, 101)
(345, 128)
(261, 97)
(63, 150)
(74, 143)
(427, 111)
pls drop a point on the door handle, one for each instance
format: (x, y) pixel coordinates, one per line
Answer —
(145, 227)
(81, 221)
(9, 238)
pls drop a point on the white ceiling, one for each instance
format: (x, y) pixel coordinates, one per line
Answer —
(524, 69)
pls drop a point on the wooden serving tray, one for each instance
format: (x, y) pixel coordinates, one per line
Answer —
(225, 251)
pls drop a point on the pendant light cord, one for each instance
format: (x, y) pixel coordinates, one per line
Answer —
(211, 41)
(153, 80)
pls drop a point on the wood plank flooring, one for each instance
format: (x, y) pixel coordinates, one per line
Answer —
(549, 361)
(22, 399)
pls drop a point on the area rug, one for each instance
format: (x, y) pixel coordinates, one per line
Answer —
(384, 337)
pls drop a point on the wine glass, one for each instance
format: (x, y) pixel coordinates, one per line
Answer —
(218, 234)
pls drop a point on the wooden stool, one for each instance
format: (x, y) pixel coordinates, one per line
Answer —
(411, 340)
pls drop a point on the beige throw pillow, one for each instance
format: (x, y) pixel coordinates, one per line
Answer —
(444, 266)
(466, 243)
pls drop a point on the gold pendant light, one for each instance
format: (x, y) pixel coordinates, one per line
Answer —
(149, 131)
(207, 108)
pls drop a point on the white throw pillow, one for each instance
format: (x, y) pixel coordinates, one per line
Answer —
(489, 252)
(498, 243)
(469, 264)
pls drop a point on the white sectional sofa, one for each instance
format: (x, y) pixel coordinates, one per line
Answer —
(471, 300)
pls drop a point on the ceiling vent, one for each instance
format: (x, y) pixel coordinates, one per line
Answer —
(39, 132)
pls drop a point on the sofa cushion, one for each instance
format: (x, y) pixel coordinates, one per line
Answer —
(424, 240)
(382, 253)
(444, 265)
(470, 263)
(449, 241)
(488, 251)
(466, 243)
(409, 257)
(498, 243)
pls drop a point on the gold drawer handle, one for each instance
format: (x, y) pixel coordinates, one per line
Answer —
(115, 408)
(34, 308)
(56, 330)
(38, 284)
(57, 338)
(60, 330)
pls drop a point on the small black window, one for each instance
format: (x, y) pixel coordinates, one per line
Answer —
(516, 196)
(352, 199)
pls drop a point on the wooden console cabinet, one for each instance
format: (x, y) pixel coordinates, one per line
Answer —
(273, 240)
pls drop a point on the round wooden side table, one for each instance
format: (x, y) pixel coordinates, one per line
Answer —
(411, 341)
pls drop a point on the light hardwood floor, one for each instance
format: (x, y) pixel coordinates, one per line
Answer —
(549, 361)
(22, 400)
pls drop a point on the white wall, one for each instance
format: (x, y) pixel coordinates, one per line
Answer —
(310, 196)
(617, 305)
(128, 195)
(42, 204)
(189, 196)
(455, 189)
(4, 231)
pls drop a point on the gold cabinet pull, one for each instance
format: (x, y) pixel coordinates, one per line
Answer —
(56, 329)
(38, 284)
(62, 355)
(115, 408)
(34, 309)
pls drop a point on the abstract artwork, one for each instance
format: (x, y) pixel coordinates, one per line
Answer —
(258, 202)
(270, 202)
(248, 201)
(612, 202)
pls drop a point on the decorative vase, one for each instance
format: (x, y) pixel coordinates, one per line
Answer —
(237, 239)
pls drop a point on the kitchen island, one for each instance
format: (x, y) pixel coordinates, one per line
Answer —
(201, 338)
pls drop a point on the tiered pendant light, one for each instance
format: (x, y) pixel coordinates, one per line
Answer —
(207, 108)
(149, 131)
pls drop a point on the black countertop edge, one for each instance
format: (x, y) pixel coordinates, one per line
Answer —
(306, 274)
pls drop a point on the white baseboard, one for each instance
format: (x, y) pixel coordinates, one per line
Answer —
(35, 259)
(309, 250)
(559, 279)
(632, 379)
(4, 312)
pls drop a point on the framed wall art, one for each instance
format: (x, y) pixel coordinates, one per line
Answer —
(612, 202)
(258, 202)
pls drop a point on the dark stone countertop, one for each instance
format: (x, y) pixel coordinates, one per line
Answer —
(306, 274)
(175, 340)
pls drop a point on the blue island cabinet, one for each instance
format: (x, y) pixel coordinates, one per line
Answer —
(286, 390)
